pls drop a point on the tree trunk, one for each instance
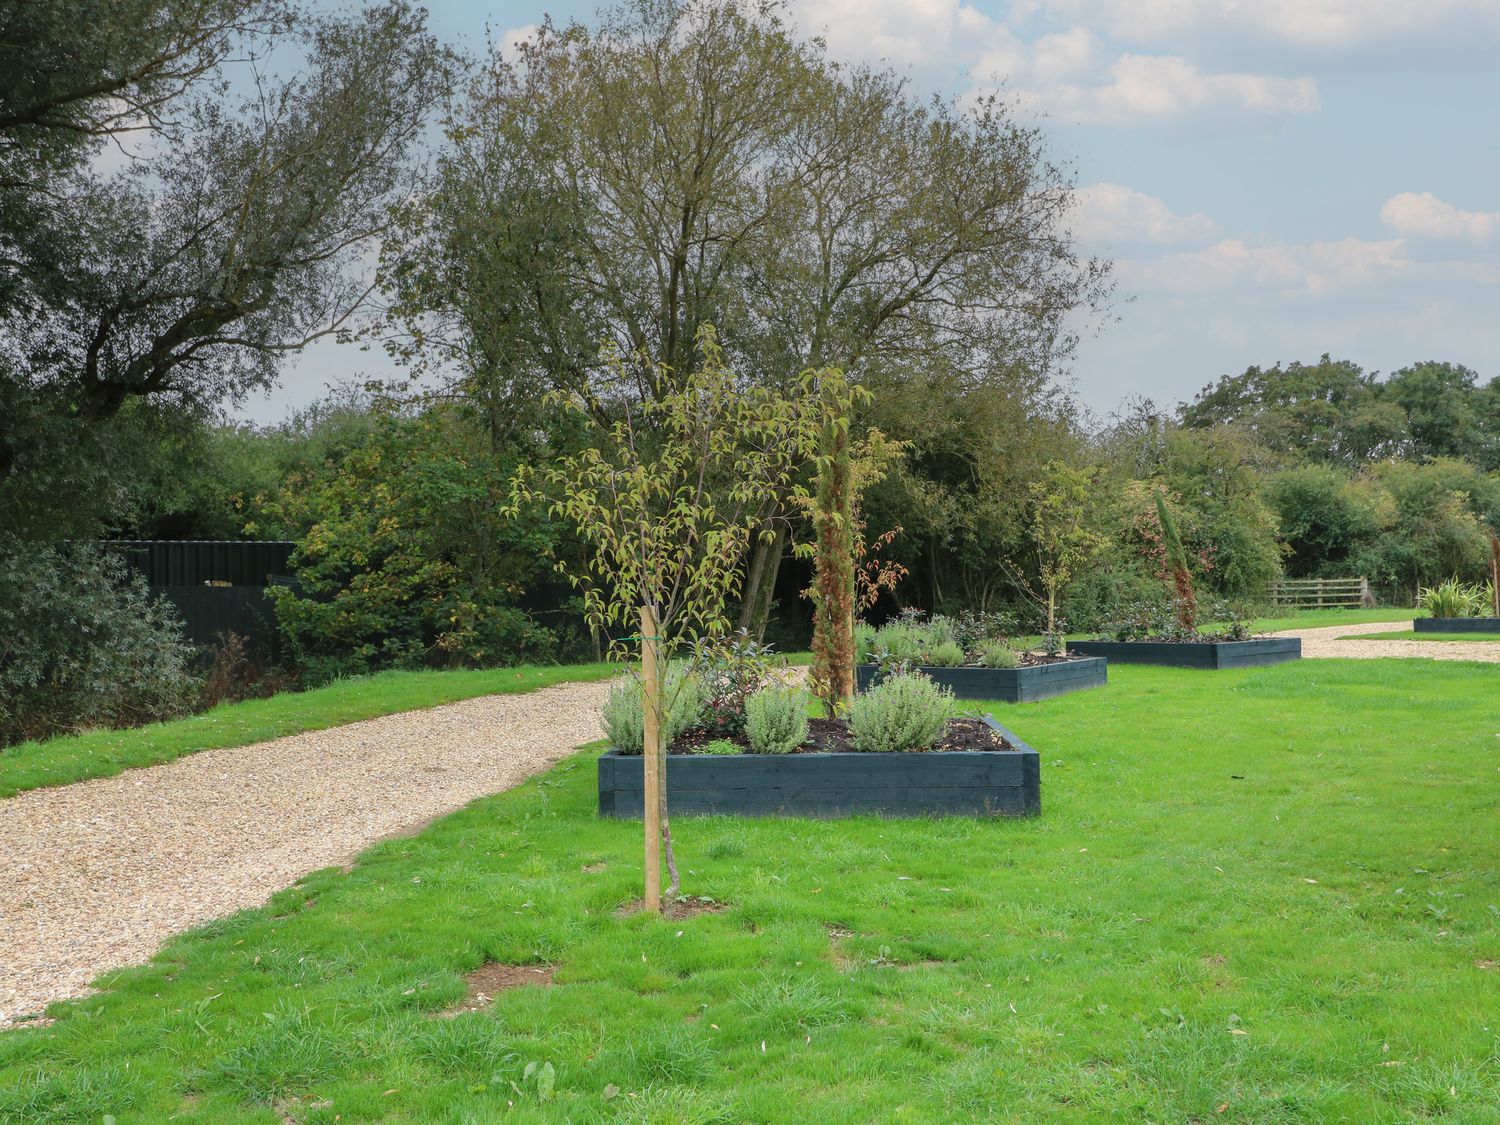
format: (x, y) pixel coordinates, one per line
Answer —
(760, 581)
(655, 795)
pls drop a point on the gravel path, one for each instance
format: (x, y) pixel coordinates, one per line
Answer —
(1325, 643)
(98, 874)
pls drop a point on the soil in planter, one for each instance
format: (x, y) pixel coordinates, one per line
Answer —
(1195, 639)
(831, 736)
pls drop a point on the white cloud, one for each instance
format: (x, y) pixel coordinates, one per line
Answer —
(1314, 268)
(1163, 88)
(512, 38)
(903, 32)
(1110, 214)
(1325, 25)
(1422, 213)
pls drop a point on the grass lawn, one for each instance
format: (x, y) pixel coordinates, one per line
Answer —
(1319, 618)
(58, 761)
(1407, 635)
(1269, 895)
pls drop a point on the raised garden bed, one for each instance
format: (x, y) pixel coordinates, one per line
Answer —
(1003, 781)
(1456, 625)
(1010, 685)
(1196, 654)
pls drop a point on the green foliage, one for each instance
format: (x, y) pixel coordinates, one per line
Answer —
(864, 642)
(901, 641)
(945, 654)
(719, 746)
(1061, 540)
(776, 719)
(730, 669)
(900, 713)
(1184, 598)
(84, 644)
(998, 654)
(666, 497)
(403, 557)
(233, 240)
(623, 716)
(1455, 599)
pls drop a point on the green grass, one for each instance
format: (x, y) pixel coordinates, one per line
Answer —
(1302, 854)
(102, 753)
(1303, 619)
(1318, 618)
(1407, 635)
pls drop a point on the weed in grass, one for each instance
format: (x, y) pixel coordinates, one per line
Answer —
(671, 1105)
(286, 1054)
(672, 1056)
(787, 1002)
(70, 1093)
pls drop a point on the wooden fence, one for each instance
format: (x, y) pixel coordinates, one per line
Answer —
(1321, 593)
(216, 586)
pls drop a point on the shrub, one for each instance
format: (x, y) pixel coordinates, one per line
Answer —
(903, 712)
(901, 641)
(864, 642)
(998, 654)
(945, 655)
(84, 644)
(776, 719)
(1453, 599)
(973, 629)
(719, 746)
(941, 630)
(731, 669)
(623, 716)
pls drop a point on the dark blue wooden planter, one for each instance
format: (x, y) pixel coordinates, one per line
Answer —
(1196, 654)
(1009, 685)
(940, 783)
(1456, 625)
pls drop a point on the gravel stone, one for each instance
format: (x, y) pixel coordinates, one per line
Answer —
(1325, 643)
(99, 873)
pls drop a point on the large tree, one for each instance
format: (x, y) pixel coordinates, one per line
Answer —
(694, 161)
(232, 237)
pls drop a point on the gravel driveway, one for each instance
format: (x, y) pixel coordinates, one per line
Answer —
(1325, 643)
(98, 874)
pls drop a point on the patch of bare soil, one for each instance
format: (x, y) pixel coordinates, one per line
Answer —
(689, 906)
(493, 978)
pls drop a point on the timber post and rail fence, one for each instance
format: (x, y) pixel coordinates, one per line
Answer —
(1321, 593)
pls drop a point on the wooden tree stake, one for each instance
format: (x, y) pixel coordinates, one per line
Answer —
(651, 702)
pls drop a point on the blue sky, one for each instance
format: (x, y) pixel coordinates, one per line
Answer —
(1274, 178)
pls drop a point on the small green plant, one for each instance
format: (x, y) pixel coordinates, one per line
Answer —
(901, 641)
(941, 630)
(719, 746)
(864, 642)
(998, 654)
(903, 712)
(624, 714)
(945, 655)
(776, 719)
(1453, 599)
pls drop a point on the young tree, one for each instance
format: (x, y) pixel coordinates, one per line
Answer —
(1060, 537)
(1184, 600)
(1494, 573)
(666, 502)
(833, 558)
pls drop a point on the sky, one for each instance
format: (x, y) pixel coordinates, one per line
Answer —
(1273, 179)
